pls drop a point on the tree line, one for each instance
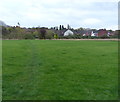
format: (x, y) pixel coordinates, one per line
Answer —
(26, 33)
(17, 32)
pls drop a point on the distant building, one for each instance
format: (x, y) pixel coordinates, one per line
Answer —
(68, 32)
(102, 32)
(86, 33)
(110, 33)
(94, 34)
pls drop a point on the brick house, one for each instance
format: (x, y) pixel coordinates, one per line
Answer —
(102, 32)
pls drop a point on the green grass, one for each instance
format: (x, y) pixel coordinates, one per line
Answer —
(60, 70)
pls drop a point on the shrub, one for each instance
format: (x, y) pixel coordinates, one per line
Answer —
(114, 36)
(104, 36)
(55, 36)
(36, 34)
(28, 36)
(49, 34)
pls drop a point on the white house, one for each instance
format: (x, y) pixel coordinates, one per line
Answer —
(93, 34)
(84, 34)
(108, 34)
(68, 32)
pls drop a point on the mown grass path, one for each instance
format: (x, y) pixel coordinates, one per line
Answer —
(59, 70)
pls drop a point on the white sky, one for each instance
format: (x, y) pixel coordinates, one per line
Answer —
(78, 13)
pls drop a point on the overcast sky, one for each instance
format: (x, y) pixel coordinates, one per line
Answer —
(76, 13)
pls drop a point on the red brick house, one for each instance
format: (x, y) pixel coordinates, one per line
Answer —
(102, 32)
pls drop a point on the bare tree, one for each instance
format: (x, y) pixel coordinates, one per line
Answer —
(43, 32)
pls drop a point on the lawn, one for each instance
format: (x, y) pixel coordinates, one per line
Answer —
(60, 70)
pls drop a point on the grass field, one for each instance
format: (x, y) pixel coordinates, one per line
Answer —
(60, 70)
